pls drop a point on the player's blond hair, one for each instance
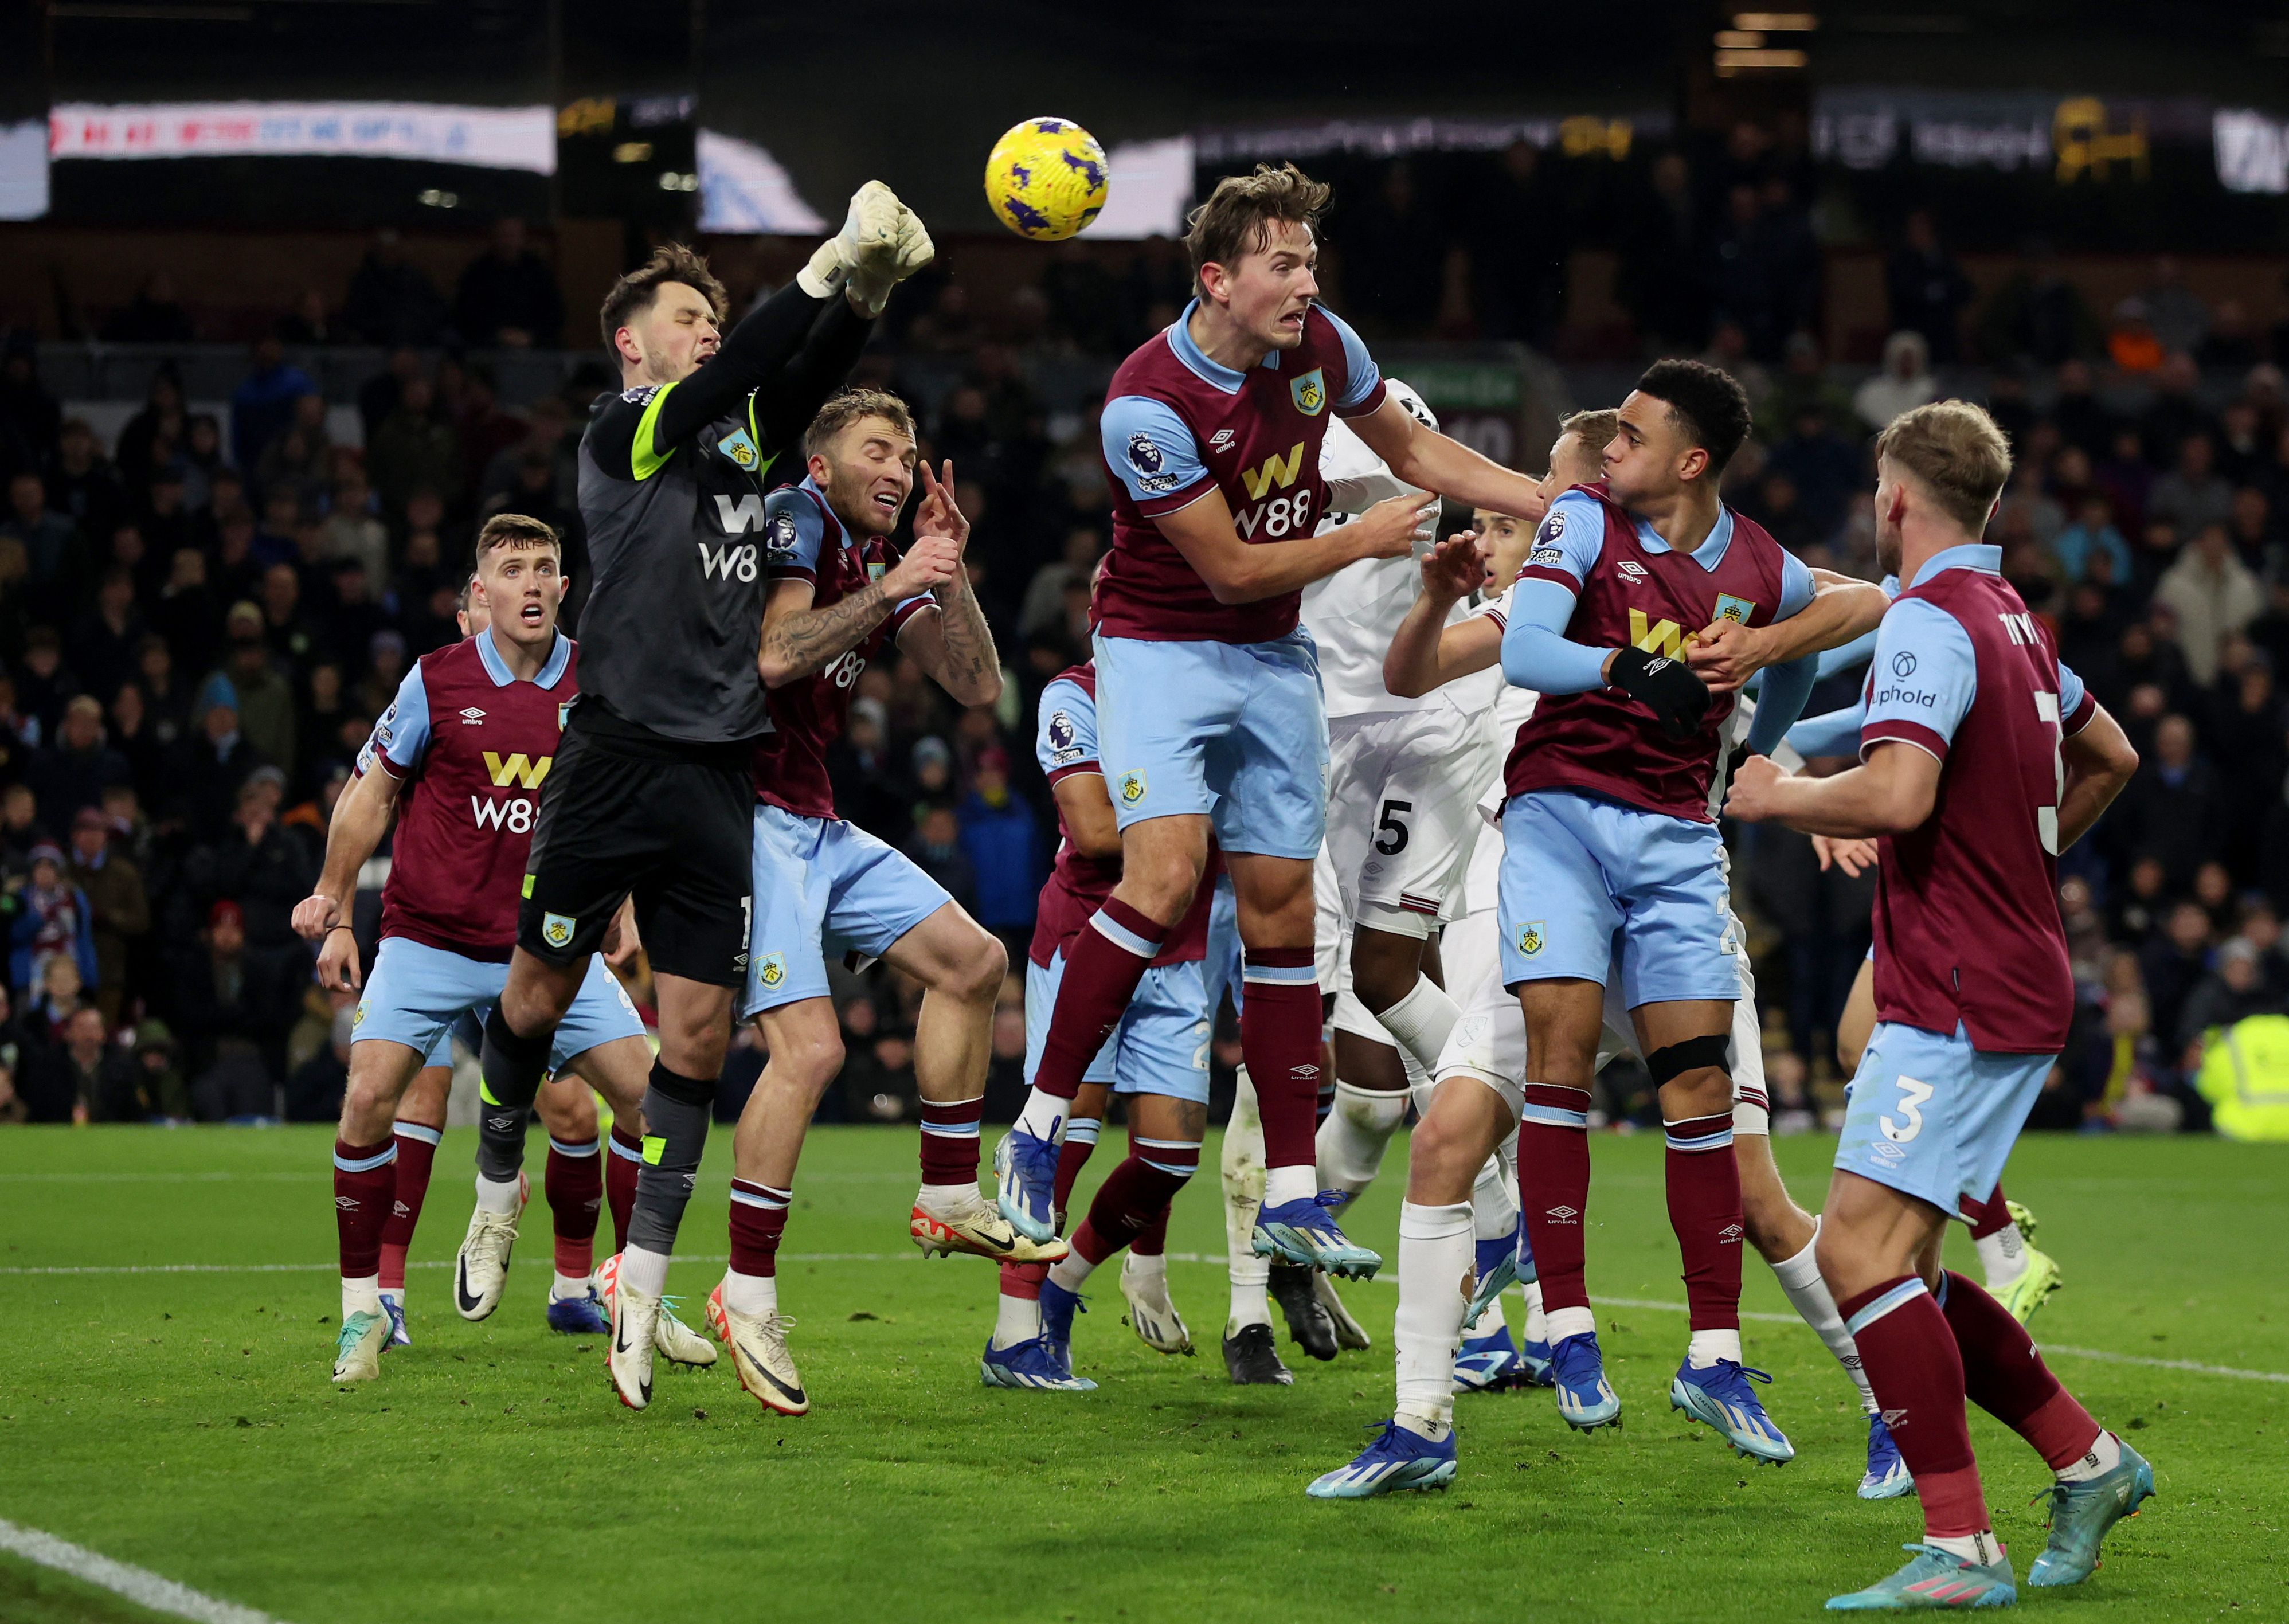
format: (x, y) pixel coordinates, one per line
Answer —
(1955, 451)
(849, 406)
(1592, 428)
(634, 293)
(1237, 217)
(515, 531)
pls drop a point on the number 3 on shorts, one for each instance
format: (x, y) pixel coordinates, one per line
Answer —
(1912, 1095)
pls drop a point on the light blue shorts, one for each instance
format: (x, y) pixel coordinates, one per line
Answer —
(417, 993)
(1934, 1118)
(1161, 1044)
(823, 885)
(1235, 730)
(1582, 876)
(1223, 968)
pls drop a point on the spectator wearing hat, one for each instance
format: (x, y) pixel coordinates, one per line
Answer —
(1905, 383)
(233, 1005)
(263, 699)
(76, 770)
(119, 908)
(212, 761)
(1002, 843)
(53, 921)
(159, 1072)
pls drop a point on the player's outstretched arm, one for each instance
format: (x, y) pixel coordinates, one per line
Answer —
(955, 645)
(1727, 653)
(1243, 572)
(1429, 460)
(1893, 792)
(2099, 758)
(1426, 653)
(1087, 807)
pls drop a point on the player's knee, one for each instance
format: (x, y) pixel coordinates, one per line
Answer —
(977, 973)
(807, 1060)
(568, 1110)
(1441, 1165)
(1161, 886)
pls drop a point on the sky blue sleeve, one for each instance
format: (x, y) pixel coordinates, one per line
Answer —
(402, 734)
(1797, 586)
(1570, 537)
(1149, 447)
(1535, 651)
(1848, 655)
(794, 531)
(2071, 691)
(1066, 741)
(1924, 679)
(1781, 701)
(1834, 733)
(1364, 373)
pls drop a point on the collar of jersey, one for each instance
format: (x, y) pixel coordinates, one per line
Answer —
(551, 669)
(1709, 554)
(1978, 555)
(1180, 339)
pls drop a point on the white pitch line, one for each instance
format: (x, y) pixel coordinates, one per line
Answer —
(137, 1585)
(1650, 1303)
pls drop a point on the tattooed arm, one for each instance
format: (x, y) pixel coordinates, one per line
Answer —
(955, 646)
(799, 640)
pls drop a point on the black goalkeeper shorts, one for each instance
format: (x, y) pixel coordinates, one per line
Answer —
(675, 832)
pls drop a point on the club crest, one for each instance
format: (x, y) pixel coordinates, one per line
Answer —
(1310, 393)
(1529, 938)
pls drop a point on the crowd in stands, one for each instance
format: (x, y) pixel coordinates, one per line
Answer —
(199, 623)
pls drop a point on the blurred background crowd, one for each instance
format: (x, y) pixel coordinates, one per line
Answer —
(208, 596)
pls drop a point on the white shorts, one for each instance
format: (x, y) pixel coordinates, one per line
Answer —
(1402, 821)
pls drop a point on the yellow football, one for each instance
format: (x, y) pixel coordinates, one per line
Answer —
(1046, 179)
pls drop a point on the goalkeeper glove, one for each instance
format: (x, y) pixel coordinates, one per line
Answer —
(1666, 687)
(873, 279)
(869, 237)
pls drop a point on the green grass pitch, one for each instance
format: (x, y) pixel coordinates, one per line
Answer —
(184, 1421)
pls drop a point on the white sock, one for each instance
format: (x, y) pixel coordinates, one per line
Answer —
(498, 1195)
(1069, 1272)
(1139, 1266)
(566, 1286)
(2104, 1456)
(757, 1296)
(1351, 1142)
(361, 1295)
(2002, 1256)
(1420, 1085)
(1707, 1347)
(1808, 1296)
(1285, 1184)
(644, 1271)
(1018, 1319)
(947, 1200)
(1982, 1547)
(1242, 1167)
(1044, 1114)
(1426, 1421)
(1537, 1322)
(1435, 1247)
(1492, 1213)
(1420, 1021)
(1563, 1323)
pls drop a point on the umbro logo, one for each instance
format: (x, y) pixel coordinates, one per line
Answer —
(1219, 440)
(471, 716)
(1564, 1214)
(1304, 1073)
(1730, 1234)
(1635, 572)
(1893, 1417)
(348, 1203)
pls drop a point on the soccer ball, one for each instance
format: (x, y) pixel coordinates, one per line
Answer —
(1046, 178)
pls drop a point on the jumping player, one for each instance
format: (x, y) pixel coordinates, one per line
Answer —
(465, 773)
(1208, 699)
(1984, 759)
(651, 795)
(1157, 1058)
(839, 593)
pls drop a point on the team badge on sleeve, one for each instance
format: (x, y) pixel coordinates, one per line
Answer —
(1061, 734)
(1730, 607)
(772, 969)
(1310, 392)
(556, 930)
(781, 538)
(1132, 789)
(1529, 938)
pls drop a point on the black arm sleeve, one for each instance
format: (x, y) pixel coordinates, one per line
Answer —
(753, 353)
(786, 401)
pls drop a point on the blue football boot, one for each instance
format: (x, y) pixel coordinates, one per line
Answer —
(1719, 1394)
(2081, 1513)
(1025, 1171)
(1030, 1363)
(581, 1316)
(393, 1305)
(1398, 1459)
(1301, 1232)
(1488, 1363)
(1934, 1578)
(1886, 1477)
(1577, 1370)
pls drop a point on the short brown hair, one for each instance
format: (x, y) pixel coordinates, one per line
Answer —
(517, 530)
(1237, 217)
(849, 406)
(1596, 428)
(1955, 451)
(634, 293)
